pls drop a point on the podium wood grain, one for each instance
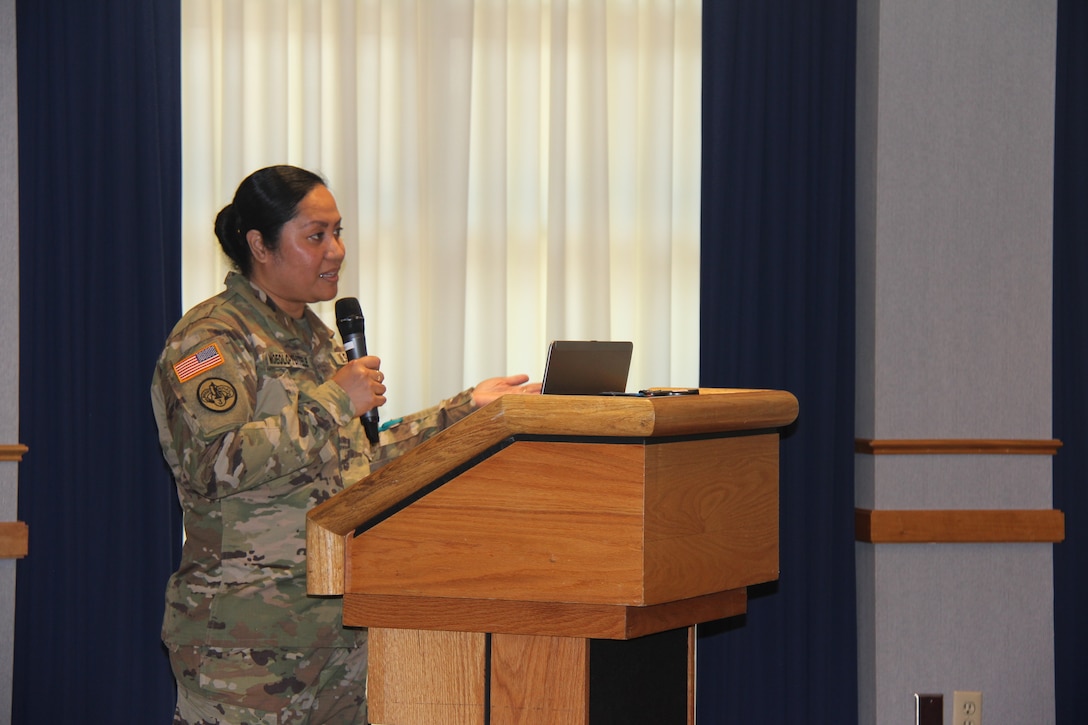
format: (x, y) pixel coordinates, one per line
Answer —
(442, 683)
(611, 524)
(497, 562)
(539, 680)
(712, 411)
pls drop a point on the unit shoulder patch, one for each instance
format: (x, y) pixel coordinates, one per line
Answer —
(217, 395)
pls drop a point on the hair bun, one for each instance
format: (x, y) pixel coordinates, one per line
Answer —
(228, 229)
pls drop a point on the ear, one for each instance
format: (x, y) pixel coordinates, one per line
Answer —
(257, 249)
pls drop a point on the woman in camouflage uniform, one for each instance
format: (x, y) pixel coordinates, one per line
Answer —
(258, 413)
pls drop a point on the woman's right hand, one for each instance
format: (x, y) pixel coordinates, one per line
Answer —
(363, 382)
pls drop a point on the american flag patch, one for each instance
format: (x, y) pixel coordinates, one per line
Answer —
(197, 363)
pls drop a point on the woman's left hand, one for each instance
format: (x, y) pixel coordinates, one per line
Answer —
(493, 388)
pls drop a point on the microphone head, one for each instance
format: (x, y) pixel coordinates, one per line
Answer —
(349, 316)
(348, 307)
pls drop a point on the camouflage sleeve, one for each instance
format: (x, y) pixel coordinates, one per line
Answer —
(400, 435)
(224, 430)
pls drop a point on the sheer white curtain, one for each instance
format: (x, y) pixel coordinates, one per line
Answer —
(509, 172)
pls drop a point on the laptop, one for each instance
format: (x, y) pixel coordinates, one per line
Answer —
(586, 367)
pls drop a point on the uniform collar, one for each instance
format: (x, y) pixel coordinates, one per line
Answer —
(274, 317)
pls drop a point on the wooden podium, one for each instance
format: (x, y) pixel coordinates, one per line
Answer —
(545, 560)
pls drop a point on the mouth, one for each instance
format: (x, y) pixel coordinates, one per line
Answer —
(330, 276)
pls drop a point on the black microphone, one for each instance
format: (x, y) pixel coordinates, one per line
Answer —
(349, 320)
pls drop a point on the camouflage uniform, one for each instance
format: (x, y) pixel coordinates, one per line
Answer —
(256, 433)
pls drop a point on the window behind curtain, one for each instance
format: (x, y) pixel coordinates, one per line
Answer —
(508, 173)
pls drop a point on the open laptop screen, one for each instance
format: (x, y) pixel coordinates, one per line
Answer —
(586, 367)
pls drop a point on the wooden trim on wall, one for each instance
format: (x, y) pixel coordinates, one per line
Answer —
(14, 538)
(976, 446)
(14, 535)
(12, 452)
(959, 526)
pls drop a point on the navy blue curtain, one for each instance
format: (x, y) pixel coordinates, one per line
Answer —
(1071, 358)
(777, 311)
(100, 217)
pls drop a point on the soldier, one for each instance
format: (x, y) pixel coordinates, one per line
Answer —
(258, 410)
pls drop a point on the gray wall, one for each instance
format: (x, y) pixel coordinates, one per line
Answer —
(9, 334)
(955, 118)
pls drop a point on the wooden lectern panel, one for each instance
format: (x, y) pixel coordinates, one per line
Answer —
(591, 523)
(713, 413)
(570, 531)
(601, 621)
(438, 678)
(711, 516)
(539, 680)
(530, 680)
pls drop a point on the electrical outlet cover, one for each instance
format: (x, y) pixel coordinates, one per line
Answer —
(966, 708)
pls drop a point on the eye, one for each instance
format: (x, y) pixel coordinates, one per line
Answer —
(319, 237)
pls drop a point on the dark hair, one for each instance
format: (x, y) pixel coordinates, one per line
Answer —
(265, 200)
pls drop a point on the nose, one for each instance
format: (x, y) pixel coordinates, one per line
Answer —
(337, 250)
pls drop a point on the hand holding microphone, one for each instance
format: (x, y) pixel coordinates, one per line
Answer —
(350, 323)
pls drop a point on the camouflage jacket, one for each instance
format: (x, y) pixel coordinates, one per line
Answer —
(256, 433)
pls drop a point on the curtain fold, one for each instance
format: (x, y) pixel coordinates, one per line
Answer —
(1070, 358)
(99, 210)
(509, 173)
(778, 312)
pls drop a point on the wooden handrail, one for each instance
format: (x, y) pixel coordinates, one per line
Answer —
(14, 537)
(12, 452)
(958, 526)
(969, 446)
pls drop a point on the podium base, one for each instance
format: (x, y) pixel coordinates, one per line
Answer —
(467, 678)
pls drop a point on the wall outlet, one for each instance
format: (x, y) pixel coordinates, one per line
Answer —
(966, 708)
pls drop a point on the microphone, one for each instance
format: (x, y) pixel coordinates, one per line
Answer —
(349, 320)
